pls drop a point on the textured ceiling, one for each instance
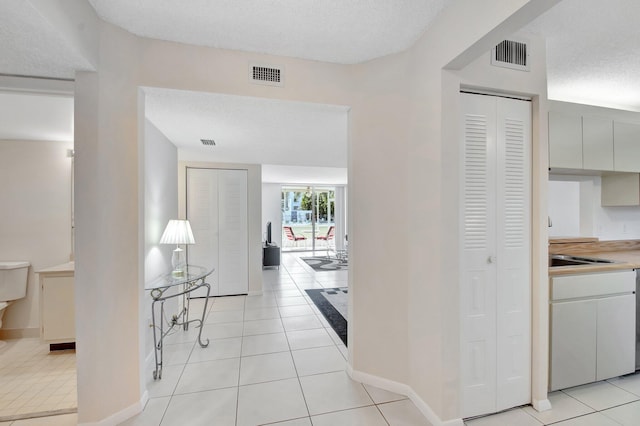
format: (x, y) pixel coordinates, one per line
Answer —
(250, 130)
(30, 46)
(592, 48)
(593, 52)
(342, 31)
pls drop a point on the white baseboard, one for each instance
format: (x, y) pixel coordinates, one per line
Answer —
(402, 389)
(541, 404)
(122, 415)
(426, 411)
(19, 333)
(379, 382)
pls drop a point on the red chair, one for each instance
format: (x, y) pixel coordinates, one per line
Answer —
(330, 235)
(291, 236)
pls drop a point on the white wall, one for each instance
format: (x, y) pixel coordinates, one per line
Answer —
(272, 211)
(160, 205)
(606, 223)
(35, 218)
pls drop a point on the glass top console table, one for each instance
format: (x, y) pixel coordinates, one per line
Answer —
(169, 286)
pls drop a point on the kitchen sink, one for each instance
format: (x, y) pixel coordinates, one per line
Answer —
(566, 260)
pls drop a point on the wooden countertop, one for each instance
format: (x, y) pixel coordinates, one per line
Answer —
(568, 240)
(625, 259)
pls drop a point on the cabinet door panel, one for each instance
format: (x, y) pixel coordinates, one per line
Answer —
(573, 343)
(626, 140)
(616, 349)
(597, 143)
(565, 140)
(58, 309)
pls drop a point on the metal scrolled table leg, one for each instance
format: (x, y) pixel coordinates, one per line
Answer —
(157, 343)
(204, 312)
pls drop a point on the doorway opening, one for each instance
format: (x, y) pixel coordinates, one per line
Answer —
(311, 217)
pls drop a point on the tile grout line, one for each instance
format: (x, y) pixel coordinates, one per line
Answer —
(295, 367)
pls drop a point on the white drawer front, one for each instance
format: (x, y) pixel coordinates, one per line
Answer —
(593, 284)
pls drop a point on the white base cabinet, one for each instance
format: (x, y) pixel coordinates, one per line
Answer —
(592, 328)
(57, 304)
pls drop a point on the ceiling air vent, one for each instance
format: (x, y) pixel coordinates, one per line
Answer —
(266, 74)
(510, 54)
(208, 142)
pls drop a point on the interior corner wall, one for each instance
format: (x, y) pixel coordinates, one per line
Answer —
(379, 205)
(36, 220)
(109, 259)
(272, 211)
(160, 206)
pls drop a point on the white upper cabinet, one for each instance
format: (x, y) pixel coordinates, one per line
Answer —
(565, 140)
(626, 146)
(597, 143)
(592, 142)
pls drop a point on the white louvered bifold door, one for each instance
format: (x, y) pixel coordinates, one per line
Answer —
(514, 253)
(217, 212)
(202, 213)
(495, 276)
(234, 243)
(478, 273)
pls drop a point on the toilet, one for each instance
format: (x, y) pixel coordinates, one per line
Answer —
(13, 285)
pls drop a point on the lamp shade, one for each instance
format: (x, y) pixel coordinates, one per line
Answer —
(177, 232)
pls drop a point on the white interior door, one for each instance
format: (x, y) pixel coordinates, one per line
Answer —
(478, 274)
(513, 253)
(495, 258)
(234, 256)
(202, 213)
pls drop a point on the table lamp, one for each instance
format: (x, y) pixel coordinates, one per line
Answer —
(177, 232)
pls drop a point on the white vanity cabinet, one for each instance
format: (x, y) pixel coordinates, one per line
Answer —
(57, 304)
(592, 327)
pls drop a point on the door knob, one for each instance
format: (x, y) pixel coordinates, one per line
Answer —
(491, 259)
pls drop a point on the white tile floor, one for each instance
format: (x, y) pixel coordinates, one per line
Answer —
(612, 402)
(34, 381)
(273, 359)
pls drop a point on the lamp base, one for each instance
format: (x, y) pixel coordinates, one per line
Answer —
(177, 263)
